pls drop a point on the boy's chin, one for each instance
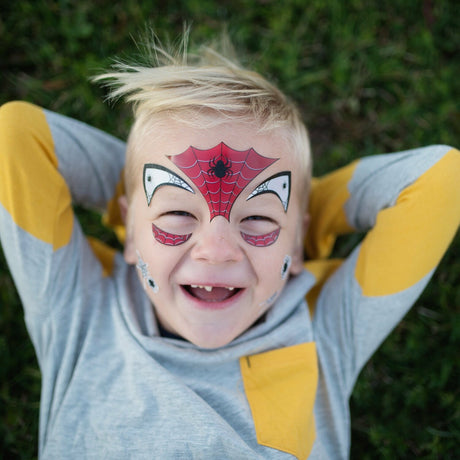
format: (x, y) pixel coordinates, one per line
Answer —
(210, 335)
(218, 337)
(202, 338)
(212, 341)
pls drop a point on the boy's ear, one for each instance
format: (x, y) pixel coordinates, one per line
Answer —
(129, 251)
(297, 256)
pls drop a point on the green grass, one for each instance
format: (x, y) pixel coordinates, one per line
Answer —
(370, 77)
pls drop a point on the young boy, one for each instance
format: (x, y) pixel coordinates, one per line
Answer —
(210, 338)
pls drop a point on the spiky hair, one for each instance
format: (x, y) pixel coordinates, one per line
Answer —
(209, 81)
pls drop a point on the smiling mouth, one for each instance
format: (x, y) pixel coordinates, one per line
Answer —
(211, 293)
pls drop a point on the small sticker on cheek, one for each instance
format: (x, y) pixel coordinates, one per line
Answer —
(286, 266)
(284, 272)
(144, 269)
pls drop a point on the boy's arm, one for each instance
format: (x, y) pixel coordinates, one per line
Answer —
(326, 208)
(48, 161)
(409, 204)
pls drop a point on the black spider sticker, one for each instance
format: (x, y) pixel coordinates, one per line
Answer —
(220, 168)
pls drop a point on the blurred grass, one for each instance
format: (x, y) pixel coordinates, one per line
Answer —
(370, 77)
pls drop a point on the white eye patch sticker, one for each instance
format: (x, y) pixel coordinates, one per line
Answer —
(279, 184)
(155, 176)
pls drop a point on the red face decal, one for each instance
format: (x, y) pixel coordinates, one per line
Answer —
(221, 173)
(169, 239)
(261, 240)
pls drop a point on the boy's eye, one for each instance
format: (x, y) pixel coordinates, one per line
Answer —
(259, 230)
(177, 222)
(259, 219)
(178, 213)
(258, 225)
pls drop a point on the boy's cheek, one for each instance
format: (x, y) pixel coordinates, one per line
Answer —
(129, 252)
(297, 253)
(297, 264)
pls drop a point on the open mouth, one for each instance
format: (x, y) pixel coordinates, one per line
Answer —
(211, 293)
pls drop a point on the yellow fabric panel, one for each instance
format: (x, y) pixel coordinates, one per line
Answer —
(409, 238)
(31, 189)
(112, 217)
(281, 387)
(322, 270)
(104, 253)
(327, 216)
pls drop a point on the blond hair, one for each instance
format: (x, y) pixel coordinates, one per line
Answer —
(190, 87)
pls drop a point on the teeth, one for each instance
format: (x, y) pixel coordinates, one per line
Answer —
(208, 288)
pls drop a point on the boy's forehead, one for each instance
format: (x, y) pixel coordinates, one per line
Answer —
(168, 138)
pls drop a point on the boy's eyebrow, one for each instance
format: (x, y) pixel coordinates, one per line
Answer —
(278, 184)
(155, 176)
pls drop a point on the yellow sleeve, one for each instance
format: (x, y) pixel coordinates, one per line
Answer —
(407, 202)
(31, 188)
(409, 238)
(47, 162)
(327, 214)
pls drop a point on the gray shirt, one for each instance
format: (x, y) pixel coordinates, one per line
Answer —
(113, 388)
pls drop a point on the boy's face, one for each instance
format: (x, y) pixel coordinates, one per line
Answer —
(214, 226)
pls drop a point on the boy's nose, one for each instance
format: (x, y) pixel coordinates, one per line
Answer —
(217, 244)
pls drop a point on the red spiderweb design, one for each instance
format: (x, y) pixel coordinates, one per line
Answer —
(169, 239)
(261, 240)
(241, 167)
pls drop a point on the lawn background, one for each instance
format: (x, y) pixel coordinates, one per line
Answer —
(369, 77)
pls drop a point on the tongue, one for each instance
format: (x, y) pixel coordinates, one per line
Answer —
(218, 294)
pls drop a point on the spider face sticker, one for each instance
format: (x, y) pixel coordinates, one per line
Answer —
(221, 173)
(279, 184)
(169, 239)
(143, 267)
(261, 240)
(220, 168)
(286, 266)
(155, 176)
